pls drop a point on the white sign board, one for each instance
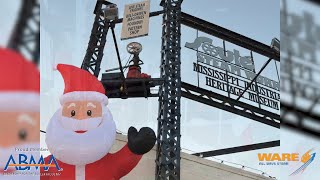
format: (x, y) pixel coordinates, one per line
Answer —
(135, 20)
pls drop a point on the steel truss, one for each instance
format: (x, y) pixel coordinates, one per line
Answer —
(171, 88)
(228, 104)
(92, 59)
(300, 120)
(25, 38)
(238, 149)
(230, 36)
(168, 136)
(231, 105)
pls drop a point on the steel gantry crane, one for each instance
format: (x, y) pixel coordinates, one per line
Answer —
(171, 88)
(168, 148)
(25, 38)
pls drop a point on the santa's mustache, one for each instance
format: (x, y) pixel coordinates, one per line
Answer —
(80, 125)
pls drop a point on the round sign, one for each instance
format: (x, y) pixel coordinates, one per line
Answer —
(134, 48)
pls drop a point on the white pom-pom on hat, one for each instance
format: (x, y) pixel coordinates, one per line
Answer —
(54, 66)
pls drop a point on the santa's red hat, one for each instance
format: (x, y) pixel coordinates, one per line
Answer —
(80, 85)
(19, 83)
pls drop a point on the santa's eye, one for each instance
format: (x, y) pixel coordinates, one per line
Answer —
(73, 113)
(22, 134)
(89, 112)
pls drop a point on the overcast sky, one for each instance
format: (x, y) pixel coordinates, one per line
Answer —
(65, 31)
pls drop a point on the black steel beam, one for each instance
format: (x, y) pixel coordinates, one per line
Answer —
(151, 81)
(25, 37)
(316, 2)
(119, 59)
(169, 134)
(254, 79)
(302, 121)
(229, 36)
(135, 87)
(238, 149)
(231, 105)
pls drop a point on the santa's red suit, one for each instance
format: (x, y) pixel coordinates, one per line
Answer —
(86, 156)
(111, 167)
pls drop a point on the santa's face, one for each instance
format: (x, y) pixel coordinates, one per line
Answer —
(81, 116)
(81, 132)
(18, 131)
(81, 110)
(19, 128)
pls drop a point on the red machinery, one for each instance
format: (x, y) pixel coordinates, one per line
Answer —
(135, 69)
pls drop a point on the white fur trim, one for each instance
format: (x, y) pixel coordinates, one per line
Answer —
(19, 101)
(80, 172)
(54, 66)
(84, 96)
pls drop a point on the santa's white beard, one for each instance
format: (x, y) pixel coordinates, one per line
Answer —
(80, 149)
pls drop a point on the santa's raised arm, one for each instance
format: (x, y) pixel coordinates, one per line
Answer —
(81, 133)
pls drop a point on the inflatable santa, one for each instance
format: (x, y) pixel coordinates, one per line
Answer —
(19, 113)
(81, 133)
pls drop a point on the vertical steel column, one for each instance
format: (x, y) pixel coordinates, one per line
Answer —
(98, 38)
(168, 137)
(25, 38)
